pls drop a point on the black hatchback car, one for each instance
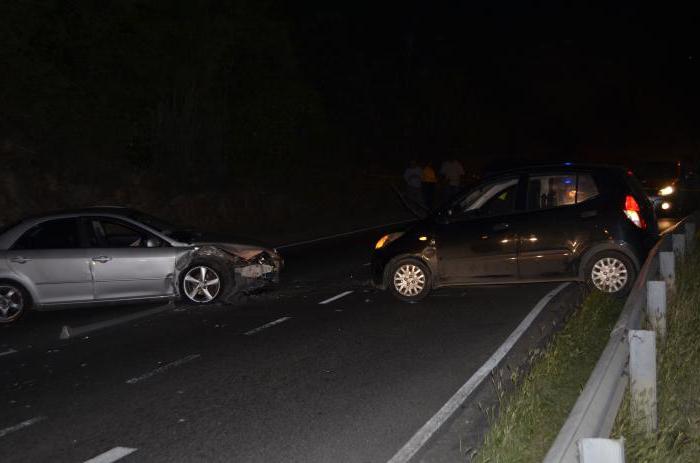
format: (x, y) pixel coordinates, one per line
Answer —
(563, 222)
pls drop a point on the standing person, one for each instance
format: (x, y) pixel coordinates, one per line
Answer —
(412, 175)
(428, 183)
(452, 172)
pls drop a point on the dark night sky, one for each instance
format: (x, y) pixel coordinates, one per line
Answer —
(254, 83)
(507, 78)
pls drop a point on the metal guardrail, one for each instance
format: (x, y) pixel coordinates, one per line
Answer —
(595, 410)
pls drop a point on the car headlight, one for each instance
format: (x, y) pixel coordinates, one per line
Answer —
(665, 191)
(386, 239)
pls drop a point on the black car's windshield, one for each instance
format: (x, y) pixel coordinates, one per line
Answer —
(489, 195)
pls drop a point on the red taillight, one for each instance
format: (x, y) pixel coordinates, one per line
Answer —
(631, 204)
(632, 212)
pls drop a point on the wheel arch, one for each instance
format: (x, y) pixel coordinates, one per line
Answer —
(27, 299)
(218, 265)
(419, 257)
(25, 285)
(622, 248)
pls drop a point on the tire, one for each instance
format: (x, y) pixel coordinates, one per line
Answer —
(14, 301)
(611, 273)
(204, 282)
(409, 280)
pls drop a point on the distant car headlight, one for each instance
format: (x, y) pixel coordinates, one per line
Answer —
(386, 239)
(665, 191)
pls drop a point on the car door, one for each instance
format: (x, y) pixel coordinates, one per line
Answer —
(478, 243)
(127, 261)
(51, 258)
(561, 210)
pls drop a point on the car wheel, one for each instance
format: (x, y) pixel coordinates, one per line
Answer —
(202, 283)
(611, 273)
(409, 280)
(14, 301)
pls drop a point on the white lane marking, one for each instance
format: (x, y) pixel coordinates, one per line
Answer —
(424, 434)
(117, 453)
(335, 298)
(340, 235)
(68, 332)
(267, 325)
(22, 425)
(163, 368)
(8, 352)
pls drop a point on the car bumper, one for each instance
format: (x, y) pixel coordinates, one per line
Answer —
(378, 265)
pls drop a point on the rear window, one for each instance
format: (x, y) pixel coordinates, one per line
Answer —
(556, 190)
(53, 234)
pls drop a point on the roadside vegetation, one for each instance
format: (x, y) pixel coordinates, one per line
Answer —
(530, 417)
(678, 381)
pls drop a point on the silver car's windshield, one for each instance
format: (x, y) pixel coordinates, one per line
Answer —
(156, 223)
(182, 234)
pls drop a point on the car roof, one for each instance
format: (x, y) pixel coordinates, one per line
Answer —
(94, 210)
(553, 167)
(114, 211)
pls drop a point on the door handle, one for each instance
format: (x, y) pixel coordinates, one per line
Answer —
(101, 259)
(19, 260)
(501, 226)
(587, 214)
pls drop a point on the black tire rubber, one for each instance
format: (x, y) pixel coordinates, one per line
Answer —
(426, 271)
(225, 280)
(629, 265)
(26, 299)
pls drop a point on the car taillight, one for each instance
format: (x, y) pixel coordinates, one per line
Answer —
(632, 212)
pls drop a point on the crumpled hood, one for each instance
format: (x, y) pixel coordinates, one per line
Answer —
(244, 251)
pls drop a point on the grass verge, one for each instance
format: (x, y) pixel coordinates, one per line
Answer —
(530, 417)
(678, 381)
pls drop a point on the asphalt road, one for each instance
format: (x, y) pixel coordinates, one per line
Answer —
(275, 377)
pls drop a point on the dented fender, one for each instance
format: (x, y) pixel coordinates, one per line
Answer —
(250, 267)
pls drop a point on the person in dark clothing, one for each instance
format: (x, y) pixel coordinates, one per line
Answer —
(428, 184)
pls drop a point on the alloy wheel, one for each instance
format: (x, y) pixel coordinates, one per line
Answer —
(409, 280)
(609, 275)
(11, 303)
(201, 284)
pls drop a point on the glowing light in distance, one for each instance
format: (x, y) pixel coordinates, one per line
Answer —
(665, 191)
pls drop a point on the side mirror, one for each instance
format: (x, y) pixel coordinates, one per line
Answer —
(153, 243)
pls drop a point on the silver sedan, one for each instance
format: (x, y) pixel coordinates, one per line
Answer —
(109, 255)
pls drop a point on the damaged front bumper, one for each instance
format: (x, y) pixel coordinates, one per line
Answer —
(260, 271)
(249, 268)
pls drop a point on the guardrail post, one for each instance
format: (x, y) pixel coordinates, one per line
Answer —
(679, 244)
(667, 267)
(643, 379)
(656, 306)
(690, 235)
(596, 450)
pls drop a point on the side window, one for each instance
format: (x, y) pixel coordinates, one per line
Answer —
(53, 234)
(586, 188)
(548, 191)
(493, 198)
(501, 203)
(115, 234)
